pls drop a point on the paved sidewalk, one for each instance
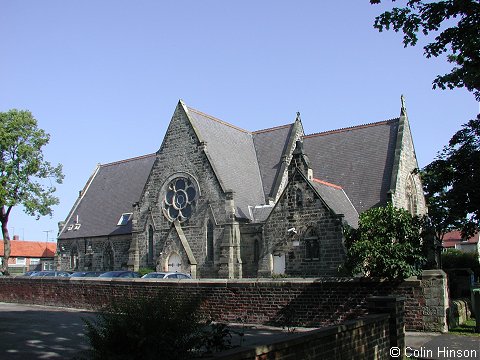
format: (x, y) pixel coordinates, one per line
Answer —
(442, 346)
(44, 332)
(41, 332)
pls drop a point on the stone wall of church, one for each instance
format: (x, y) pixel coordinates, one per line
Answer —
(317, 229)
(181, 154)
(92, 252)
(408, 163)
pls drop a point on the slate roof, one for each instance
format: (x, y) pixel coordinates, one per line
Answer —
(270, 145)
(234, 159)
(337, 200)
(359, 159)
(260, 213)
(110, 192)
(32, 249)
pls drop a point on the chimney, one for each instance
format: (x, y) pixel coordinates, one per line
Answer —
(16, 237)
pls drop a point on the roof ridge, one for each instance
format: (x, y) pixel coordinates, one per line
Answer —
(218, 120)
(32, 241)
(271, 129)
(356, 127)
(338, 187)
(127, 160)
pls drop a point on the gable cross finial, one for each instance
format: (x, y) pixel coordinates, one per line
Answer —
(403, 111)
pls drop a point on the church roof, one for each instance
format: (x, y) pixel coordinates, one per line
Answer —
(337, 200)
(360, 159)
(109, 193)
(270, 145)
(232, 152)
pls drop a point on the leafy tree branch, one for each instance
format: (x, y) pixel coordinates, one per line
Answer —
(456, 24)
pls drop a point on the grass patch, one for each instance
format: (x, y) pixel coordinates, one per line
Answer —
(466, 329)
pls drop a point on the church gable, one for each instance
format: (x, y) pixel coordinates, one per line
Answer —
(406, 186)
(303, 231)
(180, 177)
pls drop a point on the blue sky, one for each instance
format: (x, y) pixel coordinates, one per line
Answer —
(103, 77)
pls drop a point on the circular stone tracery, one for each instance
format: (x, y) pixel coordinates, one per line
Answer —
(179, 199)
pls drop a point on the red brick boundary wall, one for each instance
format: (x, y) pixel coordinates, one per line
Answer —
(370, 337)
(366, 338)
(296, 302)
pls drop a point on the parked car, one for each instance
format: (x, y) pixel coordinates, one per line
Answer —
(29, 273)
(51, 273)
(120, 274)
(86, 274)
(166, 275)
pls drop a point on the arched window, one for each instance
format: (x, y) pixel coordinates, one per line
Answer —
(210, 248)
(74, 258)
(411, 195)
(150, 245)
(298, 197)
(256, 251)
(312, 245)
(108, 258)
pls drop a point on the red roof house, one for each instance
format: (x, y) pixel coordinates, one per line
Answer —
(454, 240)
(29, 255)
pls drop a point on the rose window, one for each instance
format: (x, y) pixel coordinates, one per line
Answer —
(179, 199)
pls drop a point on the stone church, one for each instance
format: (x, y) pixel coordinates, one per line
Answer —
(217, 201)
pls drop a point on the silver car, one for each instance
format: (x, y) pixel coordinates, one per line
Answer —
(51, 273)
(166, 275)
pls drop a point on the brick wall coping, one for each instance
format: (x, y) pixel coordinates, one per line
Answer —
(412, 281)
(297, 339)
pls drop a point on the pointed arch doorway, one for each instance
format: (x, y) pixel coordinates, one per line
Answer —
(174, 262)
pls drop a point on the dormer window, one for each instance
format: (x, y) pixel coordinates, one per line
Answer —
(124, 219)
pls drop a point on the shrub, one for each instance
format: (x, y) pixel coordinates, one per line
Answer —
(160, 327)
(453, 258)
(143, 271)
(386, 244)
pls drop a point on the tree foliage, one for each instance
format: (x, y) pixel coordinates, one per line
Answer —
(452, 182)
(454, 259)
(387, 243)
(456, 24)
(22, 169)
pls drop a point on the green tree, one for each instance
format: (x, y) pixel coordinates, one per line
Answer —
(387, 243)
(456, 24)
(22, 168)
(451, 183)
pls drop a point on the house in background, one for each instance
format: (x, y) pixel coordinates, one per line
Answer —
(29, 255)
(218, 201)
(454, 240)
